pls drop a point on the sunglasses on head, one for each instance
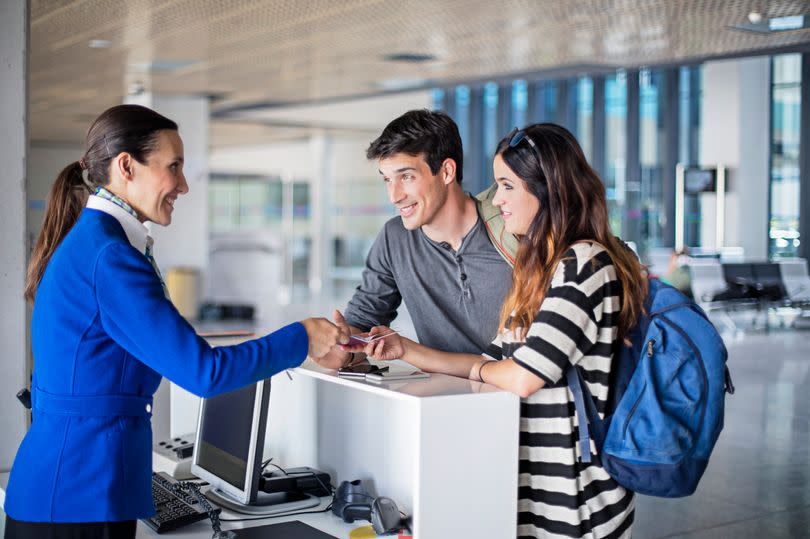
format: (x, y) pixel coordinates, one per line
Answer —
(516, 136)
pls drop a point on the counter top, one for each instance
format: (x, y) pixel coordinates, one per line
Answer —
(438, 385)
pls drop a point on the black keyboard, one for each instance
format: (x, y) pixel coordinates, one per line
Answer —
(174, 509)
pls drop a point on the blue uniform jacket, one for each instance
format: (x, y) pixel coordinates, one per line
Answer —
(103, 334)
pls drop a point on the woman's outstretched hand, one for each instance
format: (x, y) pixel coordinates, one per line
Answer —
(323, 335)
(385, 348)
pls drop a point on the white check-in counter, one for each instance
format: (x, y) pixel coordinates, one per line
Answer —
(444, 449)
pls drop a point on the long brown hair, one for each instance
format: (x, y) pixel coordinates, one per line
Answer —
(125, 128)
(573, 208)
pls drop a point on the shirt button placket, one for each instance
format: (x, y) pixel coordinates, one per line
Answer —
(465, 289)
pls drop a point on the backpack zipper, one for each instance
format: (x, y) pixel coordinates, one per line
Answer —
(633, 410)
(650, 345)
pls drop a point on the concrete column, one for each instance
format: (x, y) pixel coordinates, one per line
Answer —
(669, 156)
(185, 242)
(14, 32)
(804, 161)
(752, 184)
(321, 201)
(736, 128)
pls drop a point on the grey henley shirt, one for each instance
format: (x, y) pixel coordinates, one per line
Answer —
(454, 298)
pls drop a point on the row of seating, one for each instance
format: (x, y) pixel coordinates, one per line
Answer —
(785, 282)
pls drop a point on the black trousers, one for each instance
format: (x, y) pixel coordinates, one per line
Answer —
(16, 529)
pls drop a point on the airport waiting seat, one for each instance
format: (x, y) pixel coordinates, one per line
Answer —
(768, 282)
(796, 280)
(707, 279)
(739, 274)
(711, 292)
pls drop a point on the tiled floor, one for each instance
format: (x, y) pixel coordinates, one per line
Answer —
(757, 484)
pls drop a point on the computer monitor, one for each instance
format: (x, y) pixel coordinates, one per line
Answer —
(228, 452)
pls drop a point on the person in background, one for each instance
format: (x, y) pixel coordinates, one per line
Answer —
(678, 271)
(576, 293)
(441, 255)
(104, 333)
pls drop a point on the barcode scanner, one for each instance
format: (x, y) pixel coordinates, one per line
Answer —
(352, 501)
(385, 517)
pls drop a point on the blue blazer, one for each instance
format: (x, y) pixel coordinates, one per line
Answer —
(103, 334)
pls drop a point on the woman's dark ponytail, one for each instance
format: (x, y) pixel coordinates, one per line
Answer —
(123, 128)
(65, 202)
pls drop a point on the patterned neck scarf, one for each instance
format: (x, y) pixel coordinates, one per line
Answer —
(120, 202)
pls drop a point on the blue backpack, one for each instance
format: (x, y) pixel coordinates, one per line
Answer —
(667, 393)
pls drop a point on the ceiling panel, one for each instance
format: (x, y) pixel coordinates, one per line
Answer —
(286, 51)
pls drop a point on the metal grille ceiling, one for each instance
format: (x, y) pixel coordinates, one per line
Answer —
(293, 51)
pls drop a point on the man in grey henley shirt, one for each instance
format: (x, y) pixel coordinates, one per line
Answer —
(436, 256)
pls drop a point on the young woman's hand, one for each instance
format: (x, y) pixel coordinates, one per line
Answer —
(385, 348)
(323, 335)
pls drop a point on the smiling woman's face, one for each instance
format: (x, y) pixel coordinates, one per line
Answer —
(518, 206)
(158, 182)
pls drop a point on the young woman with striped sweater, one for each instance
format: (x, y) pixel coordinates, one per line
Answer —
(576, 292)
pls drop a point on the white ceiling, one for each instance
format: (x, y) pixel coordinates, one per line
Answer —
(272, 53)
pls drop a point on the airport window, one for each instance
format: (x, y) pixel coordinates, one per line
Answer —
(437, 97)
(241, 202)
(238, 202)
(652, 137)
(691, 98)
(259, 207)
(584, 121)
(616, 149)
(461, 114)
(490, 124)
(520, 103)
(551, 102)
(359, 209)
(690, 91)
(783, 233)
(601, 111)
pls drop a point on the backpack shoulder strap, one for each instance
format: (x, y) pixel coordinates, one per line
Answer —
(505, 243)
(589, 423)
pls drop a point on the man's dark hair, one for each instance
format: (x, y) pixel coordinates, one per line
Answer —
(432, 134)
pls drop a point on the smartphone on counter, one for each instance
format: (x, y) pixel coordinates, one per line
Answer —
(360, 370)
(396, 375)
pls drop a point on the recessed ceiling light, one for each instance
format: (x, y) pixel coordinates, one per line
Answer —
(761, 25)
(99, 43)
(163, 65)
(409, 57)
(786, 23)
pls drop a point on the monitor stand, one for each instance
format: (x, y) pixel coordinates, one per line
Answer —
(272, 503)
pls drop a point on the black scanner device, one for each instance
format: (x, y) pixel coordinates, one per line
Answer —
(385, 517)
(353, 502)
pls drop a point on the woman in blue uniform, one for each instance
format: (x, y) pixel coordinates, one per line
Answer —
(104, 333)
